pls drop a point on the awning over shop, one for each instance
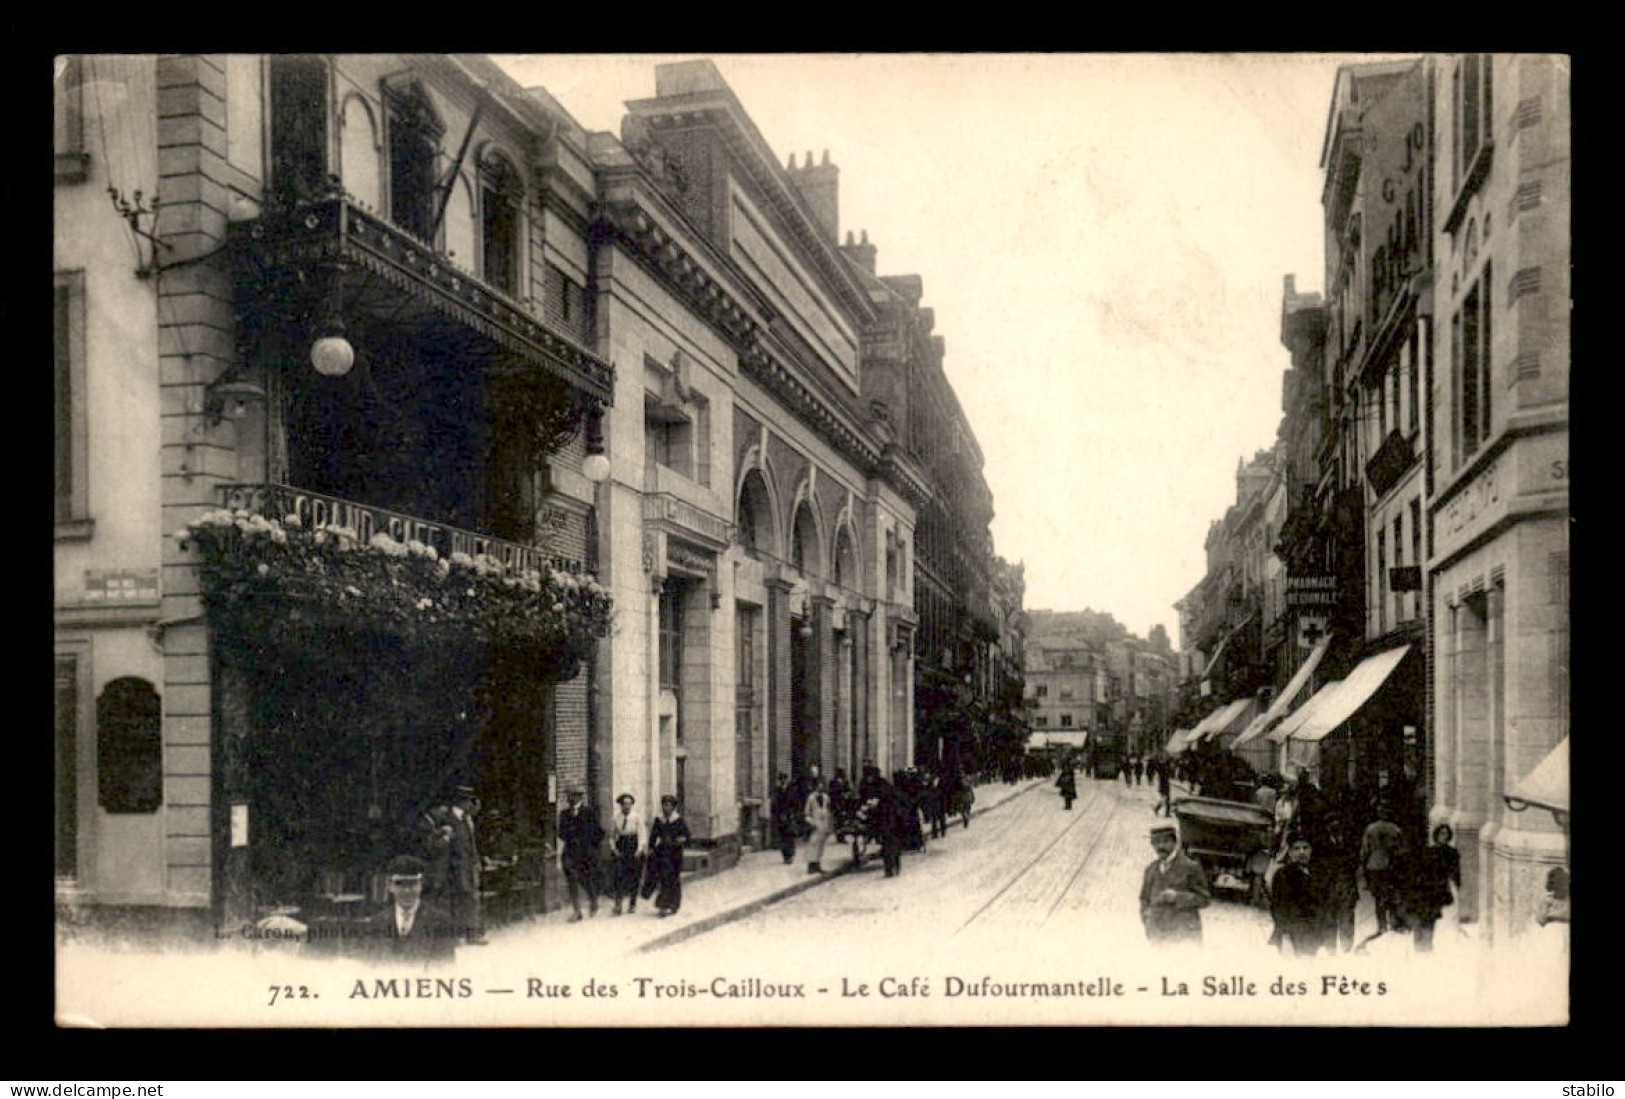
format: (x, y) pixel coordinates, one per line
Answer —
(1068, 739)
(1176, 743)
(1282, 703)
(1201, 727)
(1547, 786)
(1297, 717)
(1229, 718)
(1363, 682)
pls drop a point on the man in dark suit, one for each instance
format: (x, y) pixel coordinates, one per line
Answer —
(580, 836)
(409, 927)
(1173, 891)
(463, 871)
(786, 815)
(1298, 899)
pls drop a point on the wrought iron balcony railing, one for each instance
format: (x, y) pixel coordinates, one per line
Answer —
(335, 230)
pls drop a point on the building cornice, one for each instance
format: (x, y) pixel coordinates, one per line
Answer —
(720, 110)
(658, 238)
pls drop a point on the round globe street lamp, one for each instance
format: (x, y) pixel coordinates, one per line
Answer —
(595, 467)
(331, 354)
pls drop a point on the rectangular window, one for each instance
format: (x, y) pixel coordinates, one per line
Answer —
(668, 438)
(1472, 113)
(1399, 559)
(1413, 374)
(1470, 330)
(298, 127)
(1040, 720)
(67, 767)
(702, 441)
(671, 635)
(1470, 129)
(1381, 586)
(1041, 691)
(70, 455)
(1395, 384)
(1469, 373)
(1416, 552)
(414, 149)
(72, 161)
(1066, 721)
(499, 229)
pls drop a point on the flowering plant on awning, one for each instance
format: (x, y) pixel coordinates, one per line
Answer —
(279, 570)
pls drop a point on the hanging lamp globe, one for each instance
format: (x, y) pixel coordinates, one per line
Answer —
(332, 356)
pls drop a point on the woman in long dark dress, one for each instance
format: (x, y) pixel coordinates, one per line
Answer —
(1434, 871)
(667, 837)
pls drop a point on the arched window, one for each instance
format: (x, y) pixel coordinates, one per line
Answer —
(129, 747)
(804, 553)
(501, 204)
(414, 147)
(846, 561)
(754, 515)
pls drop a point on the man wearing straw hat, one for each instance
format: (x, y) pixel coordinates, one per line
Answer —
(1173, 892)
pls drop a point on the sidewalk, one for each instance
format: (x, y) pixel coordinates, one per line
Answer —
(759, 879)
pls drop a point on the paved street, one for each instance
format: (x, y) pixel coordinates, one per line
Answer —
(1028, 895)
(1024, 873)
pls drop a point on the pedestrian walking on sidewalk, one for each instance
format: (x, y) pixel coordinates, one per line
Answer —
(1434, 871)
(786, 811)
(1173, 891)
(1297, 900)
(889, 824)
(668, 836)
(1382, 851)
(1338, 863)
(580, 837)
(1068, 783)
(626, 836)
(1165, 789)
(821, 819)
(1139, 769)
(464, 866)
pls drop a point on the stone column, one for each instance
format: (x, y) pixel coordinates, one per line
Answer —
(778, 677)
(1473, 780)
(819, 717)
(857, 628)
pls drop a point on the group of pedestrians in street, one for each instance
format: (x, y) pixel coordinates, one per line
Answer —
(644, 862)
(1327, 851)
(896, 813)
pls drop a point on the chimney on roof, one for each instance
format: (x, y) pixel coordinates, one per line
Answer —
(862, 253)
(819, 186)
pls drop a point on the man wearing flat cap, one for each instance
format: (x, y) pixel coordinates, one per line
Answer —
(580, 836)
(409, 926)
(1174, 891)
